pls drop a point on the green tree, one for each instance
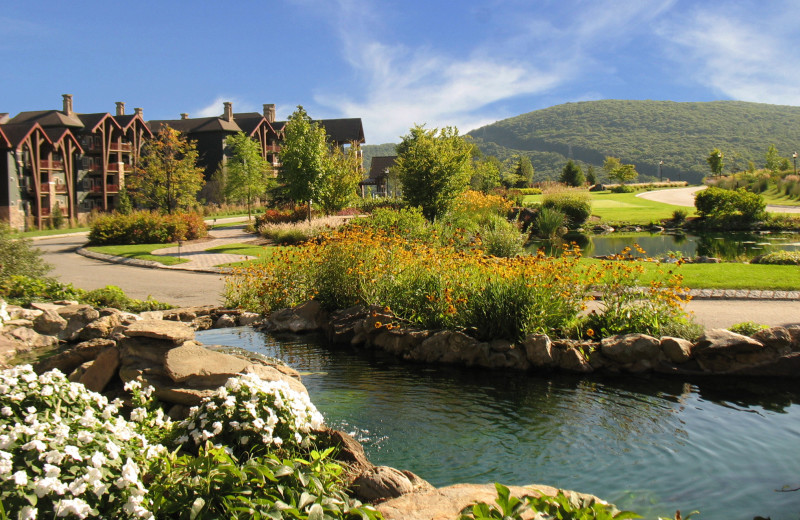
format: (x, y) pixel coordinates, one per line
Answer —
(304, 157)
(247, 172)
(18, 256)
(618, 171)
(524, 172)
(124, 204)
(715, 161)
(591, 177)
(772, 159)
(572, 174)
(167, 177)
(339, 183)
(486, 173)
(434, 167)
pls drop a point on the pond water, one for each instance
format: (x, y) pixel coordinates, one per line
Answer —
(727, 246)
(651, 445)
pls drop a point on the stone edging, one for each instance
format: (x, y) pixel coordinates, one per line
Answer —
(145, 263)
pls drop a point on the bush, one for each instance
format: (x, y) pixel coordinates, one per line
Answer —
(718, 203)
(550, 223)
(145, 227)
(622, 188)
(778, 258)
(502, 238)
(747, 328)
(113, 296)
(409, 223)
(576, 205)
(679, 216)
(18, 257)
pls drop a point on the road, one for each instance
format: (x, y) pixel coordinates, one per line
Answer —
(685, 197)
(187, 288)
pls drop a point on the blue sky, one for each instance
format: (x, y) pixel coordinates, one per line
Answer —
(393, 64)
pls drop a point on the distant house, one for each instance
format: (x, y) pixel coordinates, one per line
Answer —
(378, 182)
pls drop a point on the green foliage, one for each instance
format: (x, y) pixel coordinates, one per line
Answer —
(778, 258)
(623, 188)
(18, 256)
(408, 223)
(747, 328)
(563, 506)
(145, 227)
(22, 289)
(502, 238)
(576, 205)
(524, 173)
(113, 296)
(486, 174)
(303, 157)
(715, 162)
(591, 177)
(619, 172)
(643, 132)
(572, 175)
(550, 223)
(679, 216)
(434, 167)
(167, 178)
(247, 173)
(717, 203)
(124, 203)
(772, 160)
(57, 217)
(339, 184)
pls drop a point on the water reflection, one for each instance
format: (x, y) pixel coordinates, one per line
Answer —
(651, 444)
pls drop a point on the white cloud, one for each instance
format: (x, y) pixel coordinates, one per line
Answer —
(216, 107)
(748, 56)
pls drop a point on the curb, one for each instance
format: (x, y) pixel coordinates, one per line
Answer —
(150, 264)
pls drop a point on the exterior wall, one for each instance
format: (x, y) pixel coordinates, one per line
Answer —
(11, 203)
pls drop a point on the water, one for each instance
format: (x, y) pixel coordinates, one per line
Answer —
(727, 246)
(652, 445)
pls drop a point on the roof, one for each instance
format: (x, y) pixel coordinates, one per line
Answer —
(126, 121)
(249, 122)
(380, 164)
(16, 133)
(56, 135)
(344, 130)
(47, 118)
(4, 142)
(196, 125)
(93, 121)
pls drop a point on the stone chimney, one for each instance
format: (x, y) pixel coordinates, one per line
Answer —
(4, 118)
(67, 103)
(269, 112)
(228, 115)
(120, 108)
(184, 116)
(139, 112)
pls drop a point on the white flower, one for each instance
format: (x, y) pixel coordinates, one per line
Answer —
(75, 507)
(130, 474)
(85, 436)
(20, 478)
(53, 457)
(113, 450)
(138, 414)
(51, 471)
(134, 384)
(28, 513)
(98, 460)
(35, 444)
(77, 487)
(47, 485)
(73, 452)
(6, 411)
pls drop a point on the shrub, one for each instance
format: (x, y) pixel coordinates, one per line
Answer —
(622, 188)
(409, 223)
(502, 238)
(113, 296)
(679, 216)
(747, 328)
(145, 227)
(22, 290)
(18, 257)
(576, 205)
(550, 223)
(718, 203)
(778, 258)
(370, 205)
(299, 231)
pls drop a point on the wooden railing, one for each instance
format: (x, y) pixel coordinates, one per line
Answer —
(51, 165)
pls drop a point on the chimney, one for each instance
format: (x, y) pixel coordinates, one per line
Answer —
(269, 112)
(67, 104)
(228, 111)
(138, 112)
(120, 108)
(184, 116)
(4, 118)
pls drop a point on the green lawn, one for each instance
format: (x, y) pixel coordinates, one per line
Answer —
(140, 252)
(262, 252)
(49, 232)
(772, 196)
(625, 208)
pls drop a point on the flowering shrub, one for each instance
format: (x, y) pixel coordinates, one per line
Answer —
(65, 451)
(251, 413)
(145, 227)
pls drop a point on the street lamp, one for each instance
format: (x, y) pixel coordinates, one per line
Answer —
(660, 177)
(794, 156)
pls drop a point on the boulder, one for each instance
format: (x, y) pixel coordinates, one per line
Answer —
(794, 332)
(97, 375)
(630, 349)
(31, 339)
(225, 321)
(303, 318)
(448, 346)
(446, 503)
(203, 323)
(69, 360)
(152, 315)
(248, 318)
(100, 328)
(174, 332)
(143, 349)
(344, 326)
(540, 352)
(777, 339)
(50, 323)
(380, 483)
(78, 317)
(721, 350)
(398, 341)
(573, 360)
(200, 367)
(676, 350)
(15, 312)
(349, 451)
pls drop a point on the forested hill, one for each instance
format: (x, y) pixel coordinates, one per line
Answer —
(643, 133)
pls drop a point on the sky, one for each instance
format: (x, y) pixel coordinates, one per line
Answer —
(393, 64)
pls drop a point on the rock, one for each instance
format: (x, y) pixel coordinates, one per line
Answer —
(398, 341)
(629, 349)
(777, 339)
(539, 350)
(9, 347)
(573, 360)
(269, 373)
(16, 312)
(784, 366)
(152, 315)
(175, 332)
(500, 345)
(200, 367)
(203, 323)
(248, 318)
(345, 325)
(225, 321)
(597, 187)
(446, 503)
(602, 229)
(100, 328)
(102, 370)
(50, 323)
(676, 350)
(78, 317)
(706, 260)
(794, 332)
(30, 338)
(380, 483)
(69, 360)
(41, 306)
(188, 314)
(446, 346)
(721, 350)
(349, 452)
(303, 318)
(143, 349)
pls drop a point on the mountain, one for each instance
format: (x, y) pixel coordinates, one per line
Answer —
(369, 151)
(643, 133)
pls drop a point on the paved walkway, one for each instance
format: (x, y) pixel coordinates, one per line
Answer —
(685, 197)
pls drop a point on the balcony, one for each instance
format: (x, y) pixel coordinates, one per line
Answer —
(58, 187)
(51, 165)
(120, 147)
(117, 167)
(272, 148)
(110, 188)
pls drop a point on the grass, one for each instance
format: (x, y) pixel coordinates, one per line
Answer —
(260, 252)
(624, 208)
(50, 232)
(773, 196)
(140, 252)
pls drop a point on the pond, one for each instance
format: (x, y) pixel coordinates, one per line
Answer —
(651, 445)
(726, 246)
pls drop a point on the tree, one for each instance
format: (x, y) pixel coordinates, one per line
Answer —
(339, 183)
(486, 173)
(715, 162)
(524, 172)
(19, 257)
(572, 174)
(618, 171)
(167, 177)
(304, 155)
(247, 172)
(591, 177)
(773, 159)
(434, 167)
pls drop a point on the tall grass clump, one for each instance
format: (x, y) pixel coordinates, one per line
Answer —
(575, 204)
(550, 223)
(297, 232)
